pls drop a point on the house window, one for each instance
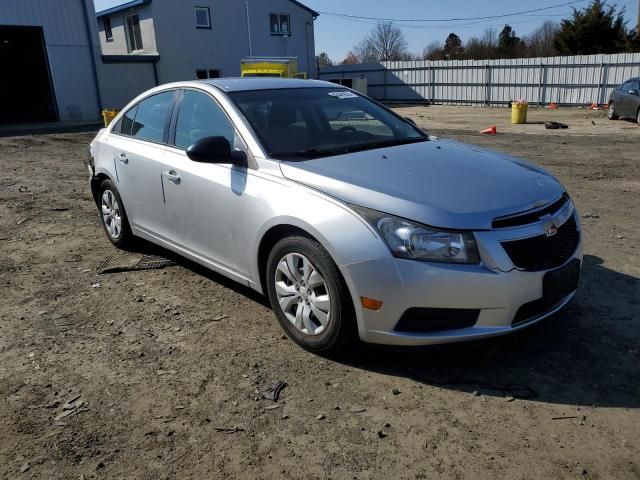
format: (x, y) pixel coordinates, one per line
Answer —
(108, 33)
(280, 24)
(205, 74)
(203, 17)
(134, 35)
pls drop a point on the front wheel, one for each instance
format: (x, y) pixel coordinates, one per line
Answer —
(611, 113)
(309, 296)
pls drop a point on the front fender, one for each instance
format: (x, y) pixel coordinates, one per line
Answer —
(347, 237)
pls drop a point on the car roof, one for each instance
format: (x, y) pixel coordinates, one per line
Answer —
(265, 83)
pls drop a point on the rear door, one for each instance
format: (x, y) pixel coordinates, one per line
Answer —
(139, 147)
(624, 100)
(634, 99)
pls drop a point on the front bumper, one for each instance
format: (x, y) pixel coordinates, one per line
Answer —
(495, 287)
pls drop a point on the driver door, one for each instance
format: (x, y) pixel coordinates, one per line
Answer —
(203, 200)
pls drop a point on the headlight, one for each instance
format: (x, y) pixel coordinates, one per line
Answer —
(408, 239)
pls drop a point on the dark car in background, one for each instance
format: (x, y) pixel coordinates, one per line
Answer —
(624, 100)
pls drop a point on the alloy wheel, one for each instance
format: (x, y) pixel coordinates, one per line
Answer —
(111, 214)
(302, 294)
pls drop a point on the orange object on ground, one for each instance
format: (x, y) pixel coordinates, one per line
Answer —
(553, 105)
(492, 130)
(594, 106)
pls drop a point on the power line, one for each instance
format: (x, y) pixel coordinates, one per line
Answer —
(488, 17)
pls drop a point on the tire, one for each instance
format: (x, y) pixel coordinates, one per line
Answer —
(638, 117)
(611, 112)
(318, 313)
(113, 215)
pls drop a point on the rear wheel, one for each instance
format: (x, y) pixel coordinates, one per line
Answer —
(309, 296)
(611, 113)
(638, 117)
(113, 215)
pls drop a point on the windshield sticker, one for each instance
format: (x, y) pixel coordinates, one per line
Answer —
(343, 94)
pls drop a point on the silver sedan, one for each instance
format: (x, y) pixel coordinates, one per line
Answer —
(353, 221)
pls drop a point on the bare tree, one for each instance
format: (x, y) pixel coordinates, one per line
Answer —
(540, 41)
(324, 60)
(433, 51)
(385, 42)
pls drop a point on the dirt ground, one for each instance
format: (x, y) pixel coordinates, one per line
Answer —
(171, 363)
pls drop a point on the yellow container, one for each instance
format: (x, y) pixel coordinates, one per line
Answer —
(519, 112)
(108, 116)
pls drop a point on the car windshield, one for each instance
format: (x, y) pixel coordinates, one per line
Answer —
(305, 123)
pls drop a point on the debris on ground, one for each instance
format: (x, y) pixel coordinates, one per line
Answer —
(381, 434)
(72, 407)
(96, 285)
(274, 392)
(229, 430)
(320, 416)
(128, 262)
(25, 467)
(555, 125)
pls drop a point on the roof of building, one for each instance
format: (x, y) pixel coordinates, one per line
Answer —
(123, 6)
(135, 3)
(266, 83)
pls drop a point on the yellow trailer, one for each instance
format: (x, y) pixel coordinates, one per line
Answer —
(281, 67)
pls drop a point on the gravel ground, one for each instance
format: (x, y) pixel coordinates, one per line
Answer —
(170, 364)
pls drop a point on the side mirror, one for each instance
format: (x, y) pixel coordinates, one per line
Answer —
(216, 150)
(633, 92)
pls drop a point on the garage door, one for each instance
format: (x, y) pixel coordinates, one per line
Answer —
(26, 93)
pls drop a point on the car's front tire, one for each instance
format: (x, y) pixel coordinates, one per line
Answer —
(113, 215)
(309, 296)
(611, 113)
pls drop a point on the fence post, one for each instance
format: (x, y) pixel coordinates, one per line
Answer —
(600, 85)
(384, 83)
(541, 85)
(487, 84)
(433, 82)
(429, 81)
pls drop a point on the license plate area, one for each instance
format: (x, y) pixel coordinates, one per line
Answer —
(557, 284)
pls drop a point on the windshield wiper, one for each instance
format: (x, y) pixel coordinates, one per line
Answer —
(307, 153)
(386, 143)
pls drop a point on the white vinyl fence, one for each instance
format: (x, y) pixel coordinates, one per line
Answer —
(564, 80)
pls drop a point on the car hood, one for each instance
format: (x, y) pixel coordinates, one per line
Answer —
(440, 183)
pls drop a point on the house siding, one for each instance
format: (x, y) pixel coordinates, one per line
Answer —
(184, 48)
(118, 46)
(67, 47)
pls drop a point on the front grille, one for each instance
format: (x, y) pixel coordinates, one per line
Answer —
(423, 320)
(533, 216)
(542, 252)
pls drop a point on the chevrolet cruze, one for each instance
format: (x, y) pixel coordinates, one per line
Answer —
(352, 220)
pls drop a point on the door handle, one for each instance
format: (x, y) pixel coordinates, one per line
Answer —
(123, 158)
(172, 176)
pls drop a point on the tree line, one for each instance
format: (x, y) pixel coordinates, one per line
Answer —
(597, 28)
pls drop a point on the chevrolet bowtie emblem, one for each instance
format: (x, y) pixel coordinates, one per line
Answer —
(551, 230)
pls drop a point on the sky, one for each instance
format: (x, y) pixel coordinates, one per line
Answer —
(337, 35)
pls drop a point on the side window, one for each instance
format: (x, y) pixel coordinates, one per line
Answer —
(200, 116)
(125, 124)
(626, 86)
(151, 117)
